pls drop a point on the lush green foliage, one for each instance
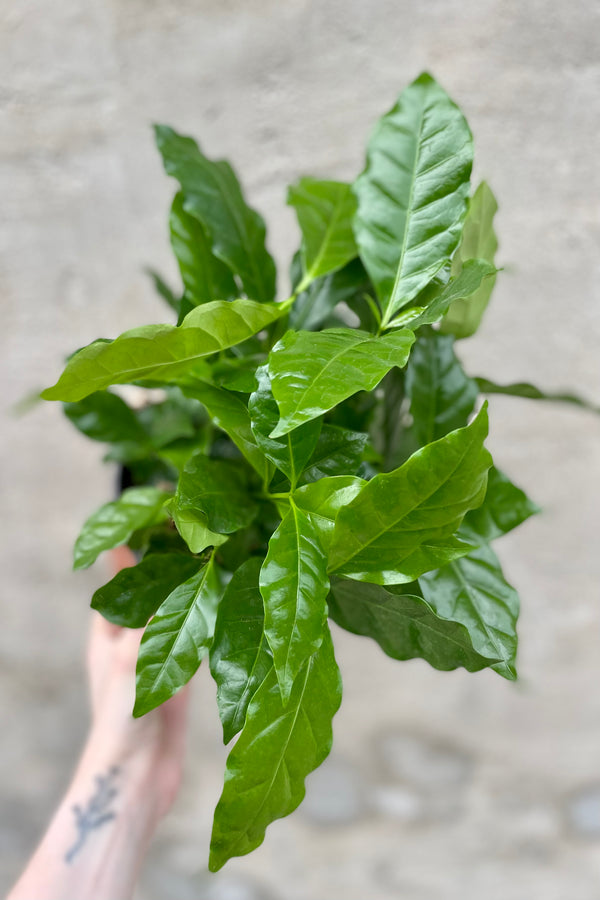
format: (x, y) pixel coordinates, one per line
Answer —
(318, 457)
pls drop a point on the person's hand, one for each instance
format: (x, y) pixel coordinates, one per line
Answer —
(126, 780)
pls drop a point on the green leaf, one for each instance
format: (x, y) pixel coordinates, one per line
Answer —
(432, 303)
(219, 490)
(135, 593)
(311, 373)
(213, 195)
(230, 413)
(105, 417)
(402, 523)
(162, 351)
(323, 499)
(176, 639)
(325, 210)
(339, 451)
(171, 420)
(278, 747)
(473, 591)
(478, 240)
(192, 525)
(314, 305)
(294, 585)
(240, 659)
(114, 523)
(291, 452)
(412, 195)
(505, 507)
(204, 276)
(441, 395)
(403, 624)
(530, 392)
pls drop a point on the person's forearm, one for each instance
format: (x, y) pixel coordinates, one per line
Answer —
(97, 839)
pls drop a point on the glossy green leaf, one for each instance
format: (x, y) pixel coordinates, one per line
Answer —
(315, 304)
(278, 747)
(103, 416)
(114, 523)
(323, 499)
(291, 452)
(230, 413)
(218, 489)
(204, 275)
(478, 240)
(339, 451)
(162, 351)
(505, 507)
(325, 210)
(192, 525)
(135, 593)
(412, 195)
(312, 372)
(403, 624)
(240, 659)
(473, 591)
(531, 392)
(294, 585)
(432, 303)
(402, 523)
(176, 639)
(441, 395)
(213, 195)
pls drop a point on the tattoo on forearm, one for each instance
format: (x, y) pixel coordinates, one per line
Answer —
(97, 812)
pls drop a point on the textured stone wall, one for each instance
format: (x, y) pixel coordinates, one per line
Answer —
(440, 785)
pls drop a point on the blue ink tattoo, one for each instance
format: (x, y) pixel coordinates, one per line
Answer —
(97, 812)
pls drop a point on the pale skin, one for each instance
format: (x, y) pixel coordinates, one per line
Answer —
(125, 782)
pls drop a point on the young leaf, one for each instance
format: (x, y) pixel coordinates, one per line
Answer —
(412, 194)
(478, 240)
(531, 392)
(213, 195)
(114, 523)
(473, 591)
(291, 452)
(176, 639)
(218, 489)
(504, 507)
(315, 304)
(402, 523)
(339, 451)
(278, 747)
(294, 585)
(230, 413)
(435, 300)
(403, 624)
(192, 525)
(105, 417)
(312, 372)
(162, 351)
(204, 276)
(240, 659)
(135, 593)
(324, 498)
(441, 396)
(325, 210)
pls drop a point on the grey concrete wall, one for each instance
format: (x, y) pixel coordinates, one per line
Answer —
(440, 785)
